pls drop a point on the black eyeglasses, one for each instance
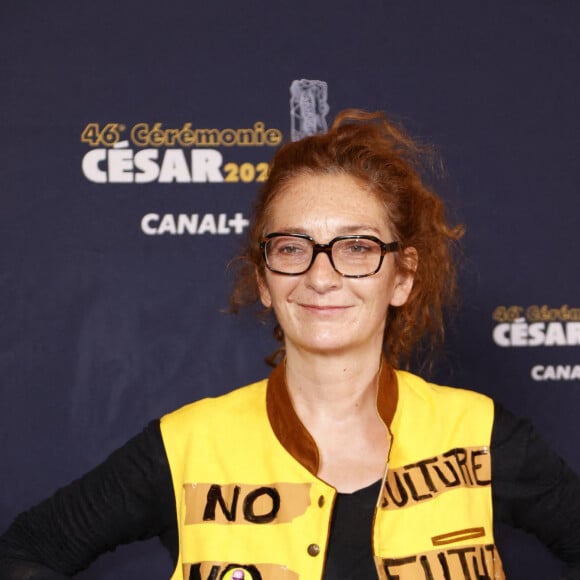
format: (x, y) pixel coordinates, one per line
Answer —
(353, 256)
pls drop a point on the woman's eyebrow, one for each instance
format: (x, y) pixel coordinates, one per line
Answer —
(341, 231)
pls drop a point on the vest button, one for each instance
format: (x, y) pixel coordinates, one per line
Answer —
(313, 549)
(321, 501)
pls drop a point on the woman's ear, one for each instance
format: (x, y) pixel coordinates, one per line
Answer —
(265, 297)
(405, 277)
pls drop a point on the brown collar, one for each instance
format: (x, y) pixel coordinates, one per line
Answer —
(293, 434)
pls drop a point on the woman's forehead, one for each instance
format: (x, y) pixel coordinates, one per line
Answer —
(336, 202)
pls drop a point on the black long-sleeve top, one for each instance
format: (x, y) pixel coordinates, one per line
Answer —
(130, 497)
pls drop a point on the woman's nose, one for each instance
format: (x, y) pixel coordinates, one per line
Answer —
(321, 275)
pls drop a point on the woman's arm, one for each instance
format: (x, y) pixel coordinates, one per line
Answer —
(126, 498)
(533, 488)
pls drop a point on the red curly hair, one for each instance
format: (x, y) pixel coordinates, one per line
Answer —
(378, 153)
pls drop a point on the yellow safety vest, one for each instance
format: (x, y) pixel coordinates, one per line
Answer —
(249, 504)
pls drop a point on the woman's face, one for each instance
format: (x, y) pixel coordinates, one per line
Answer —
(320, 311)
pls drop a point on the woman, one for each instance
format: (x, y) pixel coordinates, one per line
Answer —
(339, 465)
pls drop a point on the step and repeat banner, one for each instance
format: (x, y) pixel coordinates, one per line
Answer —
(134, 138)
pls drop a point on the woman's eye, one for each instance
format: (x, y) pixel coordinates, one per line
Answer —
(289, 249)
(358, 248)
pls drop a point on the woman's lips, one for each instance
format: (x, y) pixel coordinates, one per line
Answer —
(321, 308)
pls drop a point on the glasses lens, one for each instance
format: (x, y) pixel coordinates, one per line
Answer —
(356, 256)
(288, 254)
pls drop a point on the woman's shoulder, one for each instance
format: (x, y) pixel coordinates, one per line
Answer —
(250, 396)
(412, 384)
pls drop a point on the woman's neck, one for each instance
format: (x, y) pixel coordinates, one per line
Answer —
(335, 397)
(332, 384)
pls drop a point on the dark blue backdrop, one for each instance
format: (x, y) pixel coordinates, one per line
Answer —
(104, 326)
